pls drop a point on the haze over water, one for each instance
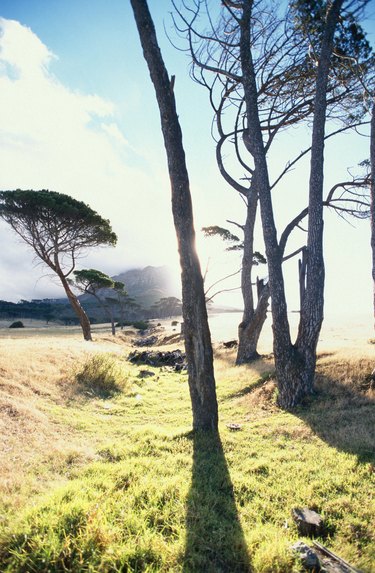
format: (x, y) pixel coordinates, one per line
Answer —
(338, 330)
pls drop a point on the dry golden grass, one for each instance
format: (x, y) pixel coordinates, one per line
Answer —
(31, 371)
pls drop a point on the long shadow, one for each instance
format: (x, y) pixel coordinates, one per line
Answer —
(215, 542)
(343, 415)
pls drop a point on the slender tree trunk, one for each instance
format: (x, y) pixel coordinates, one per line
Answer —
(372, 190)
(112, 318)
(255, 146)
(197, 335)
(295, 364)
(249, 332)
(253, 318)
(76, 306)
(107, 309)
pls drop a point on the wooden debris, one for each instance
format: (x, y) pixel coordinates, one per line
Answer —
(331, 562)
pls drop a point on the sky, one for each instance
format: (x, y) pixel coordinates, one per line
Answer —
(78, 115)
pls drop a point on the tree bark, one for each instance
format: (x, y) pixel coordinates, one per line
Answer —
(76, 306)
(249, 332)
(197, 335)
(253, 318)
(372, 191)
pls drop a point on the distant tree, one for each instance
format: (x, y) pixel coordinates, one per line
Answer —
(167, 307)
(197, 334)
(122, 300)
(96, 283)
(59, 229)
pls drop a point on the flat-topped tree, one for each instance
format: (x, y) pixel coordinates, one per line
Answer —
(59, 229)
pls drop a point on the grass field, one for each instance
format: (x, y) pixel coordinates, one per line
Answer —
(99, 471)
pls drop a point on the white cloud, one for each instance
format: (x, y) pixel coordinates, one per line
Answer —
(53, 137)
(22, 52)
(113, 131)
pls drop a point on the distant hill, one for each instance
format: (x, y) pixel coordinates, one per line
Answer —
(148, 285)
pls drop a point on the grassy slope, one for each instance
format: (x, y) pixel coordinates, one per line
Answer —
(119, 484)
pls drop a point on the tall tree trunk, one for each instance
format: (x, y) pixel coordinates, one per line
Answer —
(76, 306)
(295, 364)
(313, 300)
(197, 335)
(372, 191)
(255, 146)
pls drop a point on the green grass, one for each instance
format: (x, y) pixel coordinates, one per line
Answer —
(154, 497)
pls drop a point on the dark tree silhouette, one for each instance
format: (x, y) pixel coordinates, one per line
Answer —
(197, 334)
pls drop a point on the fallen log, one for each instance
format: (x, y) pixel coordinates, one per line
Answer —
(333, 563)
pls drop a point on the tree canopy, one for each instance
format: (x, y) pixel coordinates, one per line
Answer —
(54, 224)
(59, 229)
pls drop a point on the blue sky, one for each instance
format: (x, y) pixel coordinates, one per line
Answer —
(82, 119)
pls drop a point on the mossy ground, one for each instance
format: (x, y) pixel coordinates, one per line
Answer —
(117, 482)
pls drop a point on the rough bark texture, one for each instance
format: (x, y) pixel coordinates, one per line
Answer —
(197, 335)
(295, 364)
(76, 306)
(372, 190)
(313, 299)
(249, 330)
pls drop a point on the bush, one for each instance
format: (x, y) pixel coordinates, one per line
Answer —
(141, 325)
(17, 324)
(174, 323)
(101, 375)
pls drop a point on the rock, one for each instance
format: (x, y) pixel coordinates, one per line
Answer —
(234, 427)
(309, 523)
(310, 560)
(148, 341)
(173, 358)
(145, 373)
(230, 344)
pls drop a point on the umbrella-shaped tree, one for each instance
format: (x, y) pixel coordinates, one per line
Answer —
(59, 229)
(96, 283)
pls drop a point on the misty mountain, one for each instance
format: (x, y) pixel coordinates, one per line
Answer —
(148, 285)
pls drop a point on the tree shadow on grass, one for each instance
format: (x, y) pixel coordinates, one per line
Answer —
(342, 413)
(214, 540)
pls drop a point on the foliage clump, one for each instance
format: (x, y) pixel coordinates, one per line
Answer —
(101, 375)
(141, 325)
(17, 324)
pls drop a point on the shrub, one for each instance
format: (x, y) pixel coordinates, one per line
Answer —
(101, 375)
(141, 325)
(17, 324)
